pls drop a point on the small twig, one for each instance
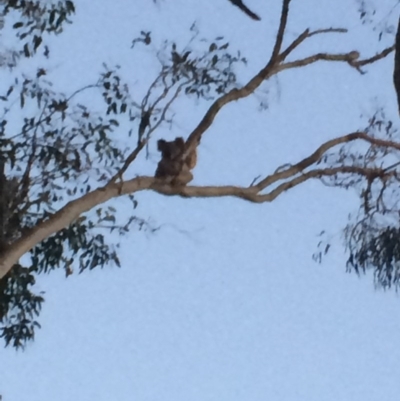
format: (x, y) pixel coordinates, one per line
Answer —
(392, 166)
(327, 30)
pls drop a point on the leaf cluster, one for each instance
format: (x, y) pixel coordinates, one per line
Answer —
(207, 74)
(19, 307)
(60, 149)
(379, 251)
(35, 18)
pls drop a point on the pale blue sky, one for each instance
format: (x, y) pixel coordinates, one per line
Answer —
(224, 302)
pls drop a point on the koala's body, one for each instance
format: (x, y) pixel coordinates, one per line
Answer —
(172, 168)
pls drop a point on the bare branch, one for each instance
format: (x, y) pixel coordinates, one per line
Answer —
(281, 31)
(368, 173)
(273, 68)
(305, 35)
(234, 94)
(344, 57)
(316, 156)
(328, 30)
(167, 106)
(351, 58)
(377, 57)
(294, 44)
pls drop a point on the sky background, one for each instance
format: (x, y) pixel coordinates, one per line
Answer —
(224, 301)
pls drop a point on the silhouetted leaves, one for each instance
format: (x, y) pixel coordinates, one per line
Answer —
(72, 150)
(19, 307)
(36, 19)
(379, 252)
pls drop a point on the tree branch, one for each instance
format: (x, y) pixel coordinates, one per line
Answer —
(281, 31)
(69, 213)
(317, 155)
(377, 57)
(273, 68)
(305, 35)
(343, 57)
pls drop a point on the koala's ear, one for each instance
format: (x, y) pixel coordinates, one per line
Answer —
(179, 144)
(161, 145)
(180, 141)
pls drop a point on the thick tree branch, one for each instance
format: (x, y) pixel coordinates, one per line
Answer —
(248, 89)
(69, 213)
(253, 195)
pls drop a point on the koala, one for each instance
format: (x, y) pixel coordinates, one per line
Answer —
(172, 167)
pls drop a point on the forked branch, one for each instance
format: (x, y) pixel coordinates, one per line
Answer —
(275, 65)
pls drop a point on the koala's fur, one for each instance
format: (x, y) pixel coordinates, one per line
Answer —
(172, 167)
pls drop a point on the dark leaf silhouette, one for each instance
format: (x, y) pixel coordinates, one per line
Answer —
(239, 3)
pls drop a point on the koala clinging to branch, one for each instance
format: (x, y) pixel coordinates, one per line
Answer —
(173, 168)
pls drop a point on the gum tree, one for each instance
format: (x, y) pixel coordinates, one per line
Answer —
(61, 165)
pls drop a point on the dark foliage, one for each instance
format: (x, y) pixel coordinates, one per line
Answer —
(396, 73)
(34, 19)
(19, 307)
(382, 252)
(61, 150)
